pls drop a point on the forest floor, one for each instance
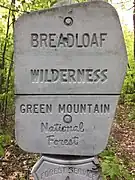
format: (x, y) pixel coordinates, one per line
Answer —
(17, 164)
(123, 133)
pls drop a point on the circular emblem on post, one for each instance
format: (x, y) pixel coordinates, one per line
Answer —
(67, 118)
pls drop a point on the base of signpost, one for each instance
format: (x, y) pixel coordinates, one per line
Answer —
(58, 167)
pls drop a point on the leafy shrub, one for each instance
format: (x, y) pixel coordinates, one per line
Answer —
(131, 115)
(112, 167)
(4, 140)
(128, 90)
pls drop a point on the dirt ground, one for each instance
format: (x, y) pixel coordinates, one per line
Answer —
(123, 132)
(17, 164)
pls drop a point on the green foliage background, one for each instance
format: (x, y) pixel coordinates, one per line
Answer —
(128, 90)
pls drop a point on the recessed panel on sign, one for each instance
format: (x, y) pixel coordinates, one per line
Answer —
(74, 125)
(77, 49)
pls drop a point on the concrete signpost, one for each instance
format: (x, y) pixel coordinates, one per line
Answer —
(70, 64)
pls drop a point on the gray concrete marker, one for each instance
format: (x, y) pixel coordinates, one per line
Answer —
(70, 64)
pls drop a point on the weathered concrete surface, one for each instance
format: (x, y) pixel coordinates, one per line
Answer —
(70, 64)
